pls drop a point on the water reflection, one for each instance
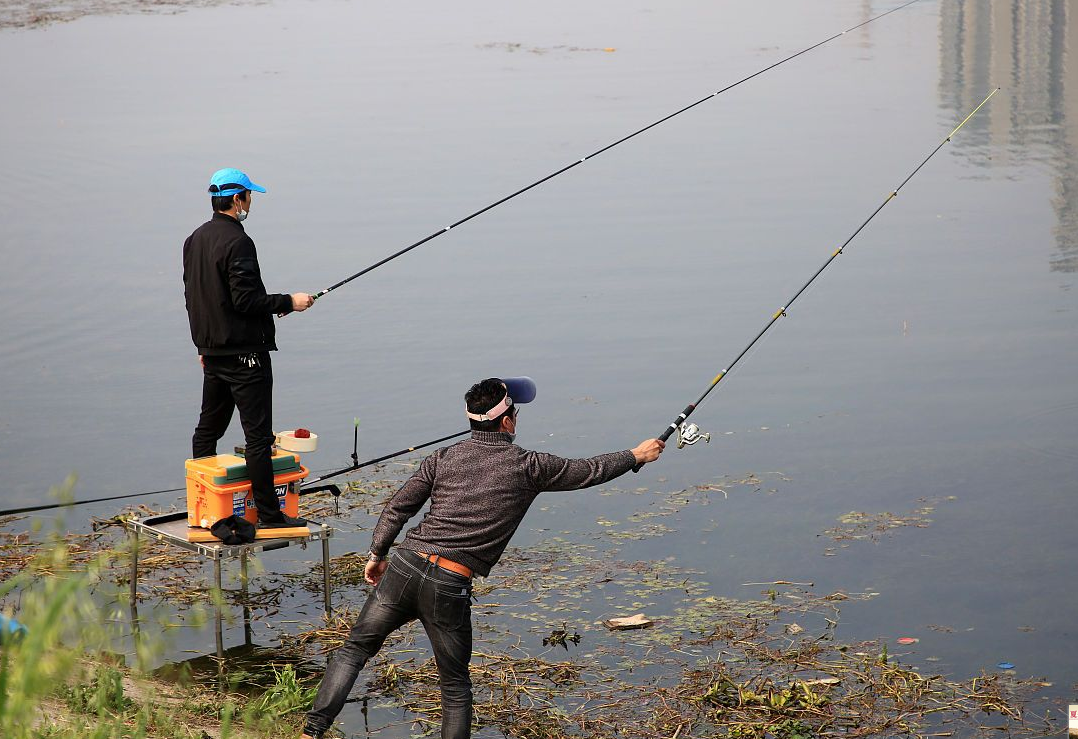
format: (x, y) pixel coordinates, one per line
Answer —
(1029, 48)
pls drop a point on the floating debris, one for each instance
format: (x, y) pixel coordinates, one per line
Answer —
(512, 46)
(943, 629)
(636, 621)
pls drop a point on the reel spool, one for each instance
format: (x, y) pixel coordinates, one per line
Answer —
(689, 434)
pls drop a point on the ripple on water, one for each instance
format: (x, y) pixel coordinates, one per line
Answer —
(1051, 431)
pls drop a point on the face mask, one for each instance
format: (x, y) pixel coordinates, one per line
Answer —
(241, 215)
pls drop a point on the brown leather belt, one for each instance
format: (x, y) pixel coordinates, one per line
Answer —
(448, 564)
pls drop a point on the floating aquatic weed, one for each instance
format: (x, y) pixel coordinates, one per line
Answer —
(346, 572)
(561, 638)
(511, 46)
(639, 533)
(37, 13)
(711, 666)
(860, 525)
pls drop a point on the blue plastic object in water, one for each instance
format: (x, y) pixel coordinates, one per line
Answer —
(10, 628)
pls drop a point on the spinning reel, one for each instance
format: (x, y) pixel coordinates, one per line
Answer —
(689, 434)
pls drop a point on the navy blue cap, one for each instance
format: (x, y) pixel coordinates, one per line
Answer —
(521, 389)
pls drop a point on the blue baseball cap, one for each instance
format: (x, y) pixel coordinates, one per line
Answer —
(231, 182)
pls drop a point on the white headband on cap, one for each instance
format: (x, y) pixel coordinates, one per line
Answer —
(494, 412)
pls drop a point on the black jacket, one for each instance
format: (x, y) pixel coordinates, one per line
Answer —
(227, 304)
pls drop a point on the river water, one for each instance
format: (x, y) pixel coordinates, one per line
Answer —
(934, 360)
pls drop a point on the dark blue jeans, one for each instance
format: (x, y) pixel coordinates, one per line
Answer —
(411, 588)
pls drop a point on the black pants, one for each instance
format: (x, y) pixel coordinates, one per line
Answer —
(243, 381)
(411, 588)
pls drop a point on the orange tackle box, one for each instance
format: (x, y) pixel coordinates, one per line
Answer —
(218, 487)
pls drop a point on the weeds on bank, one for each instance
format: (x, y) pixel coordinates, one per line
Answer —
(60, 677)
(714, 667)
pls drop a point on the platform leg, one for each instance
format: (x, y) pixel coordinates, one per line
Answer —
(136, 635)
(243, 593)
(325, 577)
(219, 596)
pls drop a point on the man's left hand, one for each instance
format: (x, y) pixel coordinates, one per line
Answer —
(373, 572)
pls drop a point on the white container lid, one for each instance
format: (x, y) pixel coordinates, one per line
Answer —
(288, 441)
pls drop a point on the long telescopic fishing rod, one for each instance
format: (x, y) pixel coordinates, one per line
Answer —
(781, 312)
(350, 468)
(622, 140)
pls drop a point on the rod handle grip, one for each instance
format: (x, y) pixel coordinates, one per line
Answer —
(662, 437)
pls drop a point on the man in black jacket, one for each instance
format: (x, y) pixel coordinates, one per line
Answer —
(231, 318)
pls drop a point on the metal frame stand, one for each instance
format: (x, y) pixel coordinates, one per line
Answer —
(243, 598)
(172, 529)
(136, 635)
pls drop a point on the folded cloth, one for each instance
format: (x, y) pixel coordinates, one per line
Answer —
(234, 530)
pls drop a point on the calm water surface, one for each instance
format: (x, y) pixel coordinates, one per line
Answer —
(934, 359)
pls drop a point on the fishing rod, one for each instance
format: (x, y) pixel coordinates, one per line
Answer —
(351, 468)
(71, 503)
(357, 465)
(691, 434)
(333, 488)
(580, 161)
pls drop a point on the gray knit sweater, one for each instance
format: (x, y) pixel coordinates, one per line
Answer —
(480, 490)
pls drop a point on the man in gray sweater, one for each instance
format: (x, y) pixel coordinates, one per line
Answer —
(479, 490)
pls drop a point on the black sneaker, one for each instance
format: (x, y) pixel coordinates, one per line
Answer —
(284, 522)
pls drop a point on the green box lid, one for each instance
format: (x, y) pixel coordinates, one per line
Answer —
(238, 472)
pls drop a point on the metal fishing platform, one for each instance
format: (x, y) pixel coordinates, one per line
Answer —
(173, 529)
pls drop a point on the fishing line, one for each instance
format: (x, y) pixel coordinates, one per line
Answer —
(781, 312)
(580, 161)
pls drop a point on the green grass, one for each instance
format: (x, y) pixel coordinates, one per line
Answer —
(54, 685)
